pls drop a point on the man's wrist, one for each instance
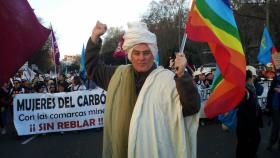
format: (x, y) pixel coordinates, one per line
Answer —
(180, 74)
(94, 39)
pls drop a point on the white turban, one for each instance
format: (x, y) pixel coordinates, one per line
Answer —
(137, 33)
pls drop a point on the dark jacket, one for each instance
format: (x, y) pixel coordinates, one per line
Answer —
(101, 73)
(249, 113)
(271, 92)
(5, 97)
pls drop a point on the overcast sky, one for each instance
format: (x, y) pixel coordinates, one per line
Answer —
(73, 20)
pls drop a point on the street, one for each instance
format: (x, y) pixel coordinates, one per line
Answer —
(212, 142)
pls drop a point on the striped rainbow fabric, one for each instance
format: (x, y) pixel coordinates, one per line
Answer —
(212, 21)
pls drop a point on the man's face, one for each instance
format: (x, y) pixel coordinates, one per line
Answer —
(142, 58)
(254, 77)
(16, 84)
(202, 77)
(61, 88)
(52, 88)
(61, 77)
(210, 76)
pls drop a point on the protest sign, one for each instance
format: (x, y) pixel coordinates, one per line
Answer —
(276, 60)
(36, 113)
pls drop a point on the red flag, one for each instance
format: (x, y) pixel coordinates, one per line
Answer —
(273, 52)
(119, 52)
(21, 36)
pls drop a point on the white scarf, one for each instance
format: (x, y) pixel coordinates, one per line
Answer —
(157, 127)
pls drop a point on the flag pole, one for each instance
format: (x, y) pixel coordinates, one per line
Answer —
(183, 43)
(55, 70)
(182, 47)
(56, 74)
(53, 54)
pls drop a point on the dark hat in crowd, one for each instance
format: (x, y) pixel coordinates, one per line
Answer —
(63, 75)
(16, 79)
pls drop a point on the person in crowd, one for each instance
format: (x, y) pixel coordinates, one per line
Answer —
(40, 86)
(196, 76)
(62, 80)
(259, 88)
(141, 92)
(5, 102)
(47, 78)
(90, 84)
(77, 84)
(62, 87)
(27, 86)
(17, 87)
(273, 106)
(203, 77)
(52, 88)
(70, 76)
(261, 71)
(209, 75)
(18, 74)
(270, 71)
(15, 90)
(199, 81)
(50, 82)
(248, 121)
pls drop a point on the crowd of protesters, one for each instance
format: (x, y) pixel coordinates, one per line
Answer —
(39, 84)
(203, 77)
(249, 113)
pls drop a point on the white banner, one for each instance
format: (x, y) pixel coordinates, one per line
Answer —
(36, 113)
(205, 93)
(262, 99)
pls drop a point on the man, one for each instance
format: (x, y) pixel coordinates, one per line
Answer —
(62, 81)
(249, 120)
(259, 88)
(144, 113)
(273, 106)
(5, 103)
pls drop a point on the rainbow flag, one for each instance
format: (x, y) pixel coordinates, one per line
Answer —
(212, 21)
